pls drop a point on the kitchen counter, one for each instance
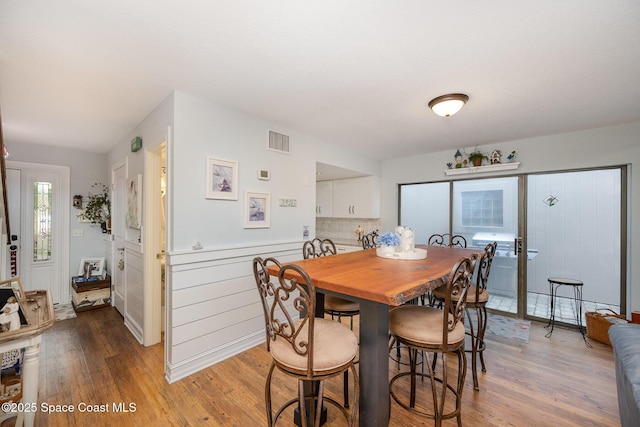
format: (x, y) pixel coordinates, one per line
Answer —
(346, 242)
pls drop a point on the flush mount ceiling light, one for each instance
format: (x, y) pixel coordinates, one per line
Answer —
(448, 105)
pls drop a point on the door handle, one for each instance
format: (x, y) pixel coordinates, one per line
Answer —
(517, 245)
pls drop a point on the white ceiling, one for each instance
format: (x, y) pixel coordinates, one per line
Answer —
(83, 73)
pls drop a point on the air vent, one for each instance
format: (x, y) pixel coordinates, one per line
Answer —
(279, 142)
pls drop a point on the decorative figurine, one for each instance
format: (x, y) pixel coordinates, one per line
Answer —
(458, 158)
(511, 156)
(495, 157)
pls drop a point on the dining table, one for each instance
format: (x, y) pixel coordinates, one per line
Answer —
(378, 283)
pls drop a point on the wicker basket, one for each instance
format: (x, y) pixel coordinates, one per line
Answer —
(599, 322)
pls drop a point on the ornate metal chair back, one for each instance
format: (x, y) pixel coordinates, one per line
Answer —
(288, 306)
(447, 239)
(484, 267)
(458, 286)
(370, 240)
(318, 247)
(458, 241)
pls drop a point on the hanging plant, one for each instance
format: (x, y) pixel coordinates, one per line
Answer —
(98, 208)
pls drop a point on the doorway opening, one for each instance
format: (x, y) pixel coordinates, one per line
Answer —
(155, 242)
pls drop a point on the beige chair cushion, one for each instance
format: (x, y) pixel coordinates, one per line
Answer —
(422, 325)
(441, 293)
(339, 304)
(335, 345)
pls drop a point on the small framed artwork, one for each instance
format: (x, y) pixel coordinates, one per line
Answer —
(134, 202)
(257, 210)
(16, 284)
(12, 314)
(95, 265)
(222, 179)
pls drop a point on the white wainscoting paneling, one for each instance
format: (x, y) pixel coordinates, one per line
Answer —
(133, 301)
(214, 305)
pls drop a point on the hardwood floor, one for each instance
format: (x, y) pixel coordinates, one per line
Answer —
(94, 361)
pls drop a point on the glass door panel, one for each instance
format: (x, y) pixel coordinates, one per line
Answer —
(425, 209)
(484, 211)
(574, 224)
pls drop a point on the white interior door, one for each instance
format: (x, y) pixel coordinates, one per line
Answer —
(118, 229)
(44, 227)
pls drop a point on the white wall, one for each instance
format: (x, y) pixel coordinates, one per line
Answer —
(212, 303)
(154, 130)
(204, 129)
(608, 146)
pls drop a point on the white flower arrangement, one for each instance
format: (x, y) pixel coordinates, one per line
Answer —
(389, 239)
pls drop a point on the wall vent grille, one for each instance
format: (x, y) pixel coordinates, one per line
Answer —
(279, 142)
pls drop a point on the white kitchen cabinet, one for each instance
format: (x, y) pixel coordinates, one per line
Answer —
(324, 199)
(356, 197)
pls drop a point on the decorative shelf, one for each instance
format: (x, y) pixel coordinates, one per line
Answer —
(480, 169)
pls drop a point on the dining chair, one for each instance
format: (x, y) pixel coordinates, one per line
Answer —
(477, 299)
(370, 240)
(302, 346)
(447, 239)
(333, 305)
(434, 331)
(318, 247)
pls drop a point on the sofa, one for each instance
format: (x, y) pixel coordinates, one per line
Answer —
(625, 340)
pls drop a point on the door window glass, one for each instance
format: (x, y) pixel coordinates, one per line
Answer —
(42, 198)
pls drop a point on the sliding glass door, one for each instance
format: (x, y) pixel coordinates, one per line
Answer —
(425, 208)
(480, 210)
(575, 223)
(486, 211)
(565, 224)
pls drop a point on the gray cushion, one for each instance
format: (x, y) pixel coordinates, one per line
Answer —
(625, 340)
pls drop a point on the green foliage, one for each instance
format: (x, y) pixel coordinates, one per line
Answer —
(98, 208)
(477, 155)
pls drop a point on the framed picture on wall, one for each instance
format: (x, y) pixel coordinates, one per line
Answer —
(134, 202)
(257, 210)
(222, 179)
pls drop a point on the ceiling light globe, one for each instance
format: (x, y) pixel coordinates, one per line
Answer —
(448, 105)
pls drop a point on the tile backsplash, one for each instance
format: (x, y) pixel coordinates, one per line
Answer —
(343, 230)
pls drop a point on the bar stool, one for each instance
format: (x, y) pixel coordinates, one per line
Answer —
(554, 284)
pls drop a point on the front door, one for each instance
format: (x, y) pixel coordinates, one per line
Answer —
(41, 221)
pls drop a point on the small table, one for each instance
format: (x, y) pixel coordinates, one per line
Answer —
(554, 284)
(39, 306)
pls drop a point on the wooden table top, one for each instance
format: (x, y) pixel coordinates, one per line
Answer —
(364, 275)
